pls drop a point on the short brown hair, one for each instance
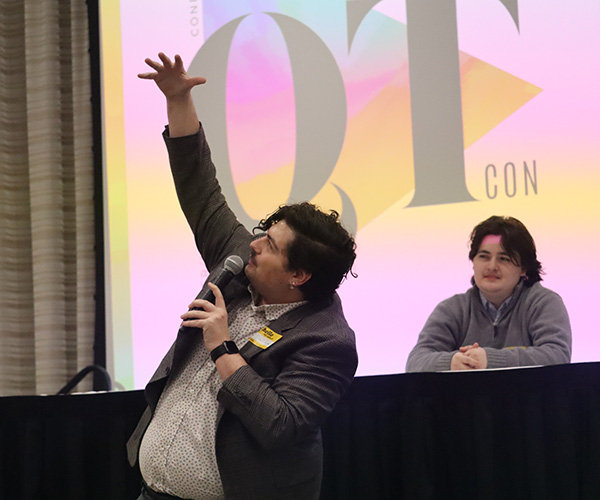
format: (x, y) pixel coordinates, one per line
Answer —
(516, 240)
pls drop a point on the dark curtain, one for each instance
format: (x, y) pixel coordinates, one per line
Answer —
(69, 447)
(506, 435)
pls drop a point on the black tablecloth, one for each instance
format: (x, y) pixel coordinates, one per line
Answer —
(513, 434)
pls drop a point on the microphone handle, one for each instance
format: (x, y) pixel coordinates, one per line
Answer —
(222, 280)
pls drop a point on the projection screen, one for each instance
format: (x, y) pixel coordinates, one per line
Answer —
(414, 119)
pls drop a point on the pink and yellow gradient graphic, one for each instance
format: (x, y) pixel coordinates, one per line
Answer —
(377, 156)
(529, 109)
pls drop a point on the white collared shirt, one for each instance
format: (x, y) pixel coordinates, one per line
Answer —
(177, 453)
(490, 309)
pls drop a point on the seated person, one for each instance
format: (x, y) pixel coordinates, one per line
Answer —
(506, 319)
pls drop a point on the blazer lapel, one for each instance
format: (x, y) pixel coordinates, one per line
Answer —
(282, 325)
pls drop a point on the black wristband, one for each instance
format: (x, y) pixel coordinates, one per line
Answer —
(227, 347)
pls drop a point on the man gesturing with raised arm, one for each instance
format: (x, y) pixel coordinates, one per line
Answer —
(235, 407)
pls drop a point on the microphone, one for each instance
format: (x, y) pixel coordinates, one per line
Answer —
(233, 266)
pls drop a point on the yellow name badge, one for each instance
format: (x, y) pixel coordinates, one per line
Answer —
(265, 338)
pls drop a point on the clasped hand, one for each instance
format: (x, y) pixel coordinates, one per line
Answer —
(212, 318)
(470, 357)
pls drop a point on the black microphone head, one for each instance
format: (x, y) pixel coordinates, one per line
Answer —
(234, 264)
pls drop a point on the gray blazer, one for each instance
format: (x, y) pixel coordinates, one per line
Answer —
(268, 442)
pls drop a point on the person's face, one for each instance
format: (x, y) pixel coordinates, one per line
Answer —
(494, 272)
(267, 267)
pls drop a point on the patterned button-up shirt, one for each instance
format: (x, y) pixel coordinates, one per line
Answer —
(177, 453)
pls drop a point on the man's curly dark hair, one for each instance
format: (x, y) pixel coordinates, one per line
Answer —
(321, 247)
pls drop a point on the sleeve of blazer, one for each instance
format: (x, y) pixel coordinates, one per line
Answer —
(216, 228)
(309, 372)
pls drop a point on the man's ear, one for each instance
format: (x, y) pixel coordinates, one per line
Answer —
(300, 277)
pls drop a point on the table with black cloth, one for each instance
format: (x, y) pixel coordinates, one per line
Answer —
(530, 433)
